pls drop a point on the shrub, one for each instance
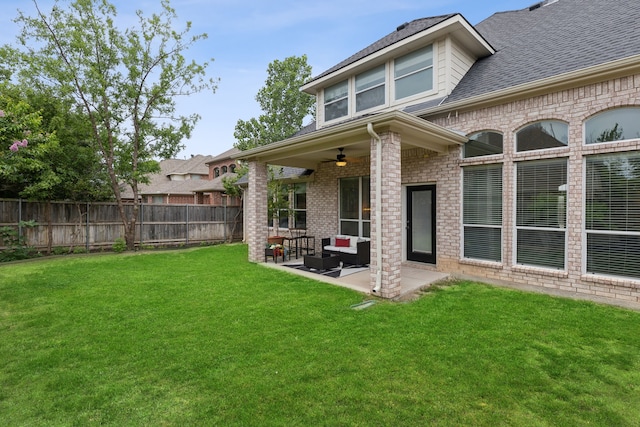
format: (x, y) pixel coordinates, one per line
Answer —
(119, 245)
(16, 244)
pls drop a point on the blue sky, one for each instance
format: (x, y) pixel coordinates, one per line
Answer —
(244, 36)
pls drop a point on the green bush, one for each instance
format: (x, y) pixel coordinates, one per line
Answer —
(60, 250)
(119, 245)
(17, 247)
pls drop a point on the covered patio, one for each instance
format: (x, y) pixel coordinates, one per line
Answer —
(413, 278)
(374, 147)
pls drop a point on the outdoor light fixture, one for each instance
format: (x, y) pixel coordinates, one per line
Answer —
(340, 159)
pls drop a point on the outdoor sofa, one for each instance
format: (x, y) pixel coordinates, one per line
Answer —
(352, 250)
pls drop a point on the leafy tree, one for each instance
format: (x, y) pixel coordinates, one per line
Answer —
(282, 102)
(57, 163)
(285, 108)
(125, 82)
(25, 170)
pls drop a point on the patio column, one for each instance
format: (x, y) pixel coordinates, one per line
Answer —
(256, 211)
(391, 216)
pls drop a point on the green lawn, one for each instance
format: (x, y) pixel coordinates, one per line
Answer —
(202, 337)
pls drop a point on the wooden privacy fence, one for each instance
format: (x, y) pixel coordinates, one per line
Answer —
(93, 226)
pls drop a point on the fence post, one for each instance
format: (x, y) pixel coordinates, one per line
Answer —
(226, 225)
(187, 226)
(86, 233)
(20, 218)
(141, 222)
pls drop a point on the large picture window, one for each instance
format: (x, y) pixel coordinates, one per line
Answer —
(355, 207)
(482, 212)
(541, 203)
(543, 135)
(612, 214)
(336, 101)
(370, 89)
(413, 73)
(613, 125)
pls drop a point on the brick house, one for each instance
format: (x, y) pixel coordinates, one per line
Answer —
(506, 152)
(193, 181)
(175, 183)
(220, 167)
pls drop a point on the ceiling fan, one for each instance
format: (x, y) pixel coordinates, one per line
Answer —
(341, 158)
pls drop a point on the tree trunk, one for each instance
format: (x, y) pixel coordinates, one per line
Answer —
(130, 227)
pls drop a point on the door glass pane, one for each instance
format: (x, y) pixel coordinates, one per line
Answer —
(421, 221)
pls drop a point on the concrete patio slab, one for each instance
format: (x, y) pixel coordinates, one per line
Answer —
(412, 279)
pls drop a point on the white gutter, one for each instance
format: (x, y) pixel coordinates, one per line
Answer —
(378, 212)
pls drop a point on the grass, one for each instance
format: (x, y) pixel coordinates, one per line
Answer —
(202, 337)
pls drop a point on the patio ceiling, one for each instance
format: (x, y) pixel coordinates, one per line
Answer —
(306, 151)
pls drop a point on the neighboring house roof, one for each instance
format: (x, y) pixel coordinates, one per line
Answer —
(215, 184)
(553, 39)
(224, 156)
(194, 165)
(161, 183)
(188, 186)
(284, 172)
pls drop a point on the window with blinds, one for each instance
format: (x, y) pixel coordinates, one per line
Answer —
(612, 214)
(482, 212)
(541, 203)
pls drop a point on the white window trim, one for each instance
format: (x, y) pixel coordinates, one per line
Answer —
(540, 150)
(585, 232)
(385, 83)
(514, 218)
(390, 101)
(463, 225)
(605, 143)
(360, 221)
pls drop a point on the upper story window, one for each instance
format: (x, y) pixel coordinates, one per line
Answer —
(224, 169)
(542, 135)
(413, 73)
(613, 125)
(336, 101)
(216, 172)
(370, 88)
(232, 168)
(484, 143)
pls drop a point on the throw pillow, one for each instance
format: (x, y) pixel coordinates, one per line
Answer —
(342, 243)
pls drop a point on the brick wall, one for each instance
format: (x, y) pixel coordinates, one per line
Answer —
(573, 106)
(256, 212)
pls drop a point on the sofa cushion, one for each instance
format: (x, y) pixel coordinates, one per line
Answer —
(343, 243)
(341, 249)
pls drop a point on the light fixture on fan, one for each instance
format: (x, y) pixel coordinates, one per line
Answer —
(340, 158)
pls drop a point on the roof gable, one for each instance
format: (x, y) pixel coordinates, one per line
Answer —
(410, 33)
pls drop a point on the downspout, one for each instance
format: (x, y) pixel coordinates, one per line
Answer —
(378, 213)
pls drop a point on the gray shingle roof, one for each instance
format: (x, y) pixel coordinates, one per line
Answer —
(408, 30)
(225, 155)
(284, 172)
(563, 36)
